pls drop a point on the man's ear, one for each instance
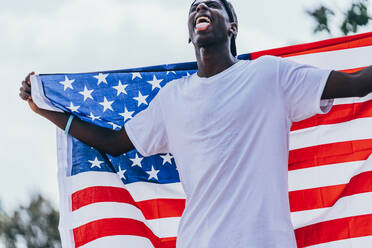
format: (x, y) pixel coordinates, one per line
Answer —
(233, 29)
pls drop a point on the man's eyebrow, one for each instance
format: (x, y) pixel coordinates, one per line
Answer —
(206, 2)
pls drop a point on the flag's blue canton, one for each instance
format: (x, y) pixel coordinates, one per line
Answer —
(136, 168)
(110, 99)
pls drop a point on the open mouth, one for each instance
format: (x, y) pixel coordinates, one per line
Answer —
(202, 23)
(202, 19)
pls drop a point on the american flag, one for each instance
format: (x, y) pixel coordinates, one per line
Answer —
(135, 201)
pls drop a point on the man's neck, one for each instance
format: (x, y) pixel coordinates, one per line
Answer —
(213, 60)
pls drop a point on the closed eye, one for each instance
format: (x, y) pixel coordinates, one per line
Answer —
(210, 4)
(213, 5)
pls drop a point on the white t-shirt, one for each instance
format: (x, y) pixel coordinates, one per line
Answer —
(229, 137)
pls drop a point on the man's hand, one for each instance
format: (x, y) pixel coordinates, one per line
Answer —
(25, 93)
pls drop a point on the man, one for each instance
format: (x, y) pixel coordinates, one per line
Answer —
(227, 127)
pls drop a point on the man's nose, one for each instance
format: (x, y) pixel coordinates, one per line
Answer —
(201, 6)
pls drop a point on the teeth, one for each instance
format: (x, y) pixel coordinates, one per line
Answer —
(203, 18)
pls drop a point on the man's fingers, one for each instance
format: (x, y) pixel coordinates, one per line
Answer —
(27, 79)
(28, 76)
(21, 96)
(26, 86)
(24, 95)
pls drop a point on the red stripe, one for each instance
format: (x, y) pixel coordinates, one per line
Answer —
(162, 208)
(91, 195)
(328, 231)
(353, 70)
(333, 153)
(151, 209)
(338, 114)
(112, 227)
(367, 41)
(168, 242)
(311, 47)
(324, 197)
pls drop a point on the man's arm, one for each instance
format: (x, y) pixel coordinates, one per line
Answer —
(109, 141)
(340, 84)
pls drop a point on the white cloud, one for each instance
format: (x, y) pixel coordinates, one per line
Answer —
(111, 32)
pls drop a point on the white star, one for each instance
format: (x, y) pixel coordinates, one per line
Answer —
(86, 93)
(171, 72)
(95, 163)
(94, 117)
(127, 114)
(167, 158)
(73, 108)
(153, 173)
(155, 83)
(121, 173)
(140, 99)
(136, 161)
(136, 75)
(114, 126)
(101, 78)
(106, 104)
(121, 88)
(67, 83)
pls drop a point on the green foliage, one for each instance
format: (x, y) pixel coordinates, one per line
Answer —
(4, 219)
(321, 16)
(35, 225)
(355, 17)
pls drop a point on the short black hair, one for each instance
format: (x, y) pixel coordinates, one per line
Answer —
(232, 18)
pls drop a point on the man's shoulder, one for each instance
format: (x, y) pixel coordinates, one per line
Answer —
(173, 84)
(171, 87)
(266, 63)
(268, 59)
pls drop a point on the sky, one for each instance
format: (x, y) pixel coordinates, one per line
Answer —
(92, 35)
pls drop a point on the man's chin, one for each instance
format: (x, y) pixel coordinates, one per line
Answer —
(204, 42)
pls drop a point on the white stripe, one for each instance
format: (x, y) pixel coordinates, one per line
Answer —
(104, 210)
(322, 176)
(142, 191)
(94, 178)
(347, 243)
(64, 144)
(351, 100)
(163, 228)
(337, 60)
(349, 206)
(357, 129)
(119, 242)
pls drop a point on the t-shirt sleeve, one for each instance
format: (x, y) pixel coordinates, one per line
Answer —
(303, 87)
(147, 131)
